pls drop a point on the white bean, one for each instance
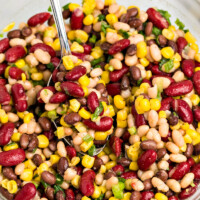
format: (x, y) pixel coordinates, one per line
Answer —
(155, 52)
(2, 57)
(117, 64)
(17, 41)
(153, 118)
(178, 138)
(121, 25)
(159, 184)
(187, 180)
(177, 158)
(61, 149)
(174, 185)
(19, 169)
(42, 56)
(172, 147)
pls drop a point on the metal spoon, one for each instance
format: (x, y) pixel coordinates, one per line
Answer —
(65, 50)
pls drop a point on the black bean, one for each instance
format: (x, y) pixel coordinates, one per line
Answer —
(41, 67)
(78, 196)
(161, 153)
(60, 195)
(9, 173)
(48, 177)
(173, 45)
(45, 123)
(82, 101)
(132, 49)
(51, 21)
(24, 141)
(189, 151)
(148, 144)
(135, 73)
(72, 118)
(39, 36)
(135, 196)
(173, 120)
(66, 14)
(147, 184)
(105, 46)
(53, 145)
(148, 28)
(99, 143)
(97, 164)
(124, 18)
(197, 149)
(50, 193)
(150, 42)
(162, 174)
(62, 165)
(6, 194)
(125, 83)
(125, 162)
(134, 22)
(162, 40)
(109, 175)
(132, 12)
(33, 142)
(100, 87)
(26, 31)
(87, 29)
(37, 160)
(14, 34)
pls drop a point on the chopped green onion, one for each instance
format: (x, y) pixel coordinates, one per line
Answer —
(100, 197)
(66, 7)
(156, 31)
(96, 61)
(132, 130)
(111, 68)
(58, 188)
(93, 39)
(123, 180)
(35, 176)
(162, 62)
(97, 112)
(165, 14)
(45, 185)
(124, 33)
(169, 65)
(101, 17)
(97, 66)
(104, 26)
(50, 66)
(1, 35)
(91, 150)
(34, 150)
(41, 82)
(10, 144)
(87, 138)
(59, 179)
(139, 82)
(49, 9)
(78, 40)
(118, 190)
(180, 24)
(52, 114)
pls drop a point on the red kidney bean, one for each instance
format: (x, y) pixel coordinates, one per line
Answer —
(161, 76)
(87, 48)
(4, 45)
(54, 75)
(15, 53)
(69, 194)
(173, 198)
(118, 46)
(39, 18)
(79, 55)
(76, 73)
(129, 175)
(104, 124)
(166, 139)
(139, 118)
(58, 97)
(72, 89)
(196, 171)
(166, 103)
(188, 192)
(147, 195)
(71, 152)
(183, 109)
(156, 71)
(179, 171)
(116, 145)
(116, 75)
(126, 136)
(147, 159)
(179, 88)
(55, 61)
(196, 112)
(15, 73)
(76, 19)
(92, 101)
(181, 43)
(43, 47)
(3, 81)
(12, 157)
(147, 81)
(5, 96)
(19, 97)
(196, 81)
(27, 192)
(87, 183)
(2, 68)
(6, 132)
(49, 88)
(191, 162)
(157, 19)
(118, 169)
(188, 67)
(113, 89)
(49, 134)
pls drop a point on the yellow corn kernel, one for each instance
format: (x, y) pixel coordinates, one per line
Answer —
(107, 150)
(113, 157)
(183, 148)
(43, 141)
(192, 133)
(81, 35)
(54, 159)
(105, 77)
(84, 113)
(56, 44)
(96, 19)
(71, 35)
(101, 154)
(127, 196)
(76, 47)
(196, 140)
(176, 127)
(160, 196)
(190, 38)
(145, 105)
(196, 159)
(172, 28)
(141, 49)
(75, 161)
(103, 38)
(30, 165)
(80, 127)
(113, 198)
(43, 167)
(21, 115)
(111, 18)
(122, 115)
(74, 105)
(122, 124)
(88, 20)
(97, 52)
(195, 99)
(27, 175)
(85, 198)
(50, 32)
(10, 146)
(103, 189)
(133, 166)
(109, 2)
(73, 6)
(33, 70)
(12, 187)
(4, 119)
(97, 192)
(148, 74)
(4, 183)
(23, 77)
(88, 161)
(119, 102)
(89, 6)
(76, 181)
(85, 146)
(62, 122)
(111, 111)
(7, 71)
(9, 27)
(84, 80)
(185, 126)
(144, 87)
(195, 47)
(102, 169)
(162, 114)
(110, 165)
(60, 132)
(100, 135)
(167, 52)
(111, 30)
(16, 137)
(144, 62)
(68, 63)
(155, 104)
(20, 63)
(168, 34)
(28, 117)
(85, 90)
(197, 57)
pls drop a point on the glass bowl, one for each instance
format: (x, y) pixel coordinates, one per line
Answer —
(186, 10)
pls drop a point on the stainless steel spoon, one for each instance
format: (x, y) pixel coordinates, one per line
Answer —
(65, 50)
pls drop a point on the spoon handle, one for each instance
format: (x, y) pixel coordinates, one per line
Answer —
(56, 8)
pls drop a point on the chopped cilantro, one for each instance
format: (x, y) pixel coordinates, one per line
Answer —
(10, 144)
(35, 176)
(93, 39)
(121, 179)
(162, 62)
(97, 66)
(58, 188)
(165, 14)
(91, 150)
(101, 17)
(34, 150)
(100, 197)
(59, 179)
(156, 31)
(104, 26)
(45, 185)
(95, 62)
(109, 58)
(50, 66)
(139, 82)
(124, 33)
(78, 40)
(41, 82)
(66, 7)
(87, 138)
(97, 112)
(169, 65)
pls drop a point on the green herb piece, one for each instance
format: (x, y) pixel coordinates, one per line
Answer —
(58, 188)
(142, 33)
(132, 130)
(97, 66)
(91, 150)
(36, 184)
(50, 66)
(1, 35)
(49, 9)
(96, 61)
(109, 58)
(35, 176)
(34, 150)
(175, 114)
(97, 112)
(52, 114)
(121, 179)
(41, 82)
(104, 26)
(186, 30)
(13, 65)
(59, 179)
(162, 62)
(124, 33)
(156, 31)
(111, 68)
(66, 7)
(45, 185)
(192, 184)
(139, 82)
(10, 144)
(87, 138)
(180, 24)
(165, 14)
(159, 95)
(101, 17)
(169, 65)
(100, 197)
(78, 40)
(93, 39)
(118, 190)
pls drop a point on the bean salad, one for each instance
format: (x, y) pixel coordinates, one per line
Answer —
(131, 87)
